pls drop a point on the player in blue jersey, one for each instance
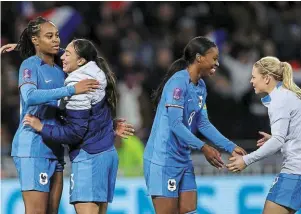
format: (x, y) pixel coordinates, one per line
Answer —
(181, 112)
(41, 84)
(88, 129)
(283, 100)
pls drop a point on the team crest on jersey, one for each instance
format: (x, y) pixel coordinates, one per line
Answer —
(200, 101)
(27, 74)
(43, 178)
(177, 93)
(172, 185)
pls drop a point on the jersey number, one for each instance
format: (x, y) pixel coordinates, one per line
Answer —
(71, 181)
(191, 117)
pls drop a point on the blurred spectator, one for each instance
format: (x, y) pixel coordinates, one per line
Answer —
(134, 103)
(130, 155)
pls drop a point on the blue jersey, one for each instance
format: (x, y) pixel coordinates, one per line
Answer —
(41, 85)
(170, 143)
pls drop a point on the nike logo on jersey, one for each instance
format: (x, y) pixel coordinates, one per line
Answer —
(189, 100)
(47, 81)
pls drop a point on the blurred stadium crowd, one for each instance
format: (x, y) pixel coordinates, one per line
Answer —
(141, 39)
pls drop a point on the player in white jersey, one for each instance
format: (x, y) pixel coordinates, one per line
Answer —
(283, 101)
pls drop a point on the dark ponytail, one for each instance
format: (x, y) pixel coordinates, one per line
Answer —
(198, 45)
(111, 91)
(176, 66)
(25, 45)
(85, 48)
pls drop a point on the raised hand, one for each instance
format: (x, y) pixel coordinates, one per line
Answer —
(212, 156)
(7, 48)
(237, 164)
(265, 138)
(33, 121)
(88, 85)
(123, 129)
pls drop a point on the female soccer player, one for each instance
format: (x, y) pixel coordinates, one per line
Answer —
(41, 84)
(181, 112)
(88, 129)
(283, 101)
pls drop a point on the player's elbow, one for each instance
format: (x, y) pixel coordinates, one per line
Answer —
(204, 125)
(175, 126)
(280, 139)
(76, 136)
(30, 98)
(30, 101)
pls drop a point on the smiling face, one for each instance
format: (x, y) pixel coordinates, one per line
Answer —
(259, 81)
(71, 61)
(48, 40)
(209, 62)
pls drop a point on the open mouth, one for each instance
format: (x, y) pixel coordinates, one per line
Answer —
(213, 70)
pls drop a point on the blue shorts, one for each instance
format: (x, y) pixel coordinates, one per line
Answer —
(286, 191)
(35, 173)
(166, 181)
(93, 179)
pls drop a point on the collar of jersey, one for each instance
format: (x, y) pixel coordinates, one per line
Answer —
(42, 62)
(268, 98)
(189, 80)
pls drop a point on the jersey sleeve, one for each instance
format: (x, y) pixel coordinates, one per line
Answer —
(280, 119)
(175, 93)
(28, 73)
(206, 128)
(72, 132)
(175, 118)
(77, 111)
(28, 85)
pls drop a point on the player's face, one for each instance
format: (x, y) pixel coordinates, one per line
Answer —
(48, 41)
(71, 61)
(210, 62)
(258, 81)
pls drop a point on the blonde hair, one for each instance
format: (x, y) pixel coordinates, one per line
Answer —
(281, 71)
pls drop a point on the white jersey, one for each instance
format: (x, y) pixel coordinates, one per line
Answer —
(284, 109)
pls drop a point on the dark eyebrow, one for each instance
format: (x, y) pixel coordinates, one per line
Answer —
(50, 33)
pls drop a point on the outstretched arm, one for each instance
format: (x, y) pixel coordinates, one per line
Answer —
(175, 117)
(279, 128)
(206, 128)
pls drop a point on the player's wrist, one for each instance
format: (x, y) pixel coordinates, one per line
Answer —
(204, 148)
(40, 127)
